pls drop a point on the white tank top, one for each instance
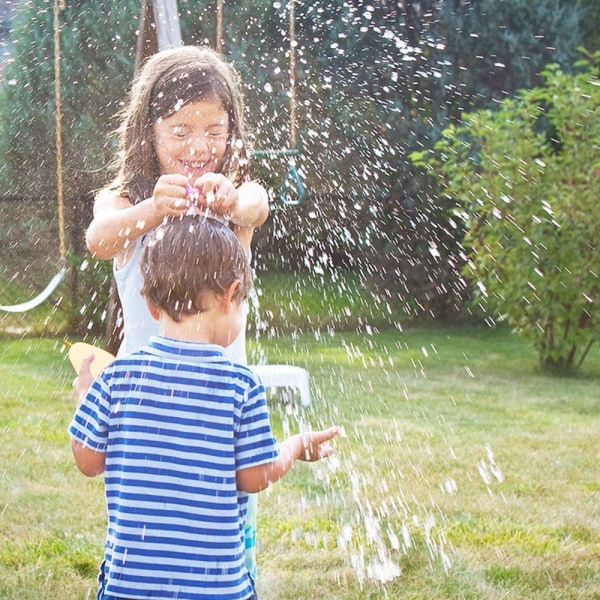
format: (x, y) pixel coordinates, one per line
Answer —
(138, 324)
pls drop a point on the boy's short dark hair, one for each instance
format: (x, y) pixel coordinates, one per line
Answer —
(186, 257)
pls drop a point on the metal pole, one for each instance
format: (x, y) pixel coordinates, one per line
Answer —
(292, 75)
(166, 16)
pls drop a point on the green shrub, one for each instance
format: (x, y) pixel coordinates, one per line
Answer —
(526, 180)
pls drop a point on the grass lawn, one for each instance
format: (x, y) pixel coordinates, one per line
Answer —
(462, 473)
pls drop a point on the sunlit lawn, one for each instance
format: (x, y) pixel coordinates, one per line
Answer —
(463, 473)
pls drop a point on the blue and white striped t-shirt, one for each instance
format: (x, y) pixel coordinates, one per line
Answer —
(176, 421)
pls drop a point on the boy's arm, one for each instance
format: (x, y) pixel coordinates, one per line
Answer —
(84, 379)
(90, 463)
(309, 447)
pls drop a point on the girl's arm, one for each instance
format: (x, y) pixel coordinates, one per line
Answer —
(117, 222)
(246, 206)
(308, 447)
(251, 212)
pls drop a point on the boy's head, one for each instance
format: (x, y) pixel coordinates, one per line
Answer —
(186, 259)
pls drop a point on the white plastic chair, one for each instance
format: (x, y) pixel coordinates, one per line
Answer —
(285, 376)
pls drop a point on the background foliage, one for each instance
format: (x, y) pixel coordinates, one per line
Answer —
(375, 82)
(530, 214)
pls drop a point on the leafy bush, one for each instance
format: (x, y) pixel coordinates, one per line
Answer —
(526, 181)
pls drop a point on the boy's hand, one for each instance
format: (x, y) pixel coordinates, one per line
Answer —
(316, 444)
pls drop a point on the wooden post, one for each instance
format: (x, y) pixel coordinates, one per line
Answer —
(147, 39)
(219, 37)
(292, 26)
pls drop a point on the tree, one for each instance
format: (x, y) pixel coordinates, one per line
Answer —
(525, 178)
(97, 56)
(97, 53)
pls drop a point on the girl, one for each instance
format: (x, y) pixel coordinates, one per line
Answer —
(182, 144)
(182, 148)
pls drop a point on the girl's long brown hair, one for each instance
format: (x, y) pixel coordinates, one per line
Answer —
(167, 81)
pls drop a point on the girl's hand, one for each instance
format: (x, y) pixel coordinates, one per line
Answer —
(216, 193)
(170, 196)
(84, 379)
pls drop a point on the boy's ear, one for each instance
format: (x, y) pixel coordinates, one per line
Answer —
(154, 312)
(229, 295)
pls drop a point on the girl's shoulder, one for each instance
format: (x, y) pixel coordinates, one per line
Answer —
(109, 199)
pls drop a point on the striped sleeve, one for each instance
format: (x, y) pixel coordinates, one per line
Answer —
(254, 442)
(89, 425)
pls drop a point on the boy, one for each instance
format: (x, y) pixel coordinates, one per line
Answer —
(181, 433)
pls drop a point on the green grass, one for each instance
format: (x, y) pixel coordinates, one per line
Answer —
(337, 300)
(463, 473)
(286, 303)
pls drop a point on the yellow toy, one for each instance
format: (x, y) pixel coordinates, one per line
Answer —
(79, 351)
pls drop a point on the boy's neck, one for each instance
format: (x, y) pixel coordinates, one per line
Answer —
(191, 328)
(219, 323)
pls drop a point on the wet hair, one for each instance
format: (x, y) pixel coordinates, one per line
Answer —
(187, 257)
(169, 80)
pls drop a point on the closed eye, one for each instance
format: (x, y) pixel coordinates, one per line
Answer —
(217, 133)
(180, 132)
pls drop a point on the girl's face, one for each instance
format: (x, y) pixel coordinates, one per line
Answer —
(193, 140)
